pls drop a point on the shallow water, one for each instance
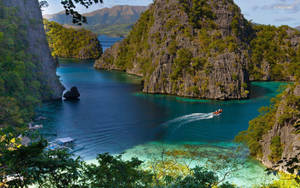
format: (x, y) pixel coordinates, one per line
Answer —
(113, 116)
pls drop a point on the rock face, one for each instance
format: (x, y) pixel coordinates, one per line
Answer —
(203, 49)
(73, 94)
(30, 14)
(275, 53)
(187, 48)
(286, 129)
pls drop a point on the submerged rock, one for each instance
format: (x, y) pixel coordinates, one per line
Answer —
(73, 94)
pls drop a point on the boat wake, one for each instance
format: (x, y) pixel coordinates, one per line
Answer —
(189, 118)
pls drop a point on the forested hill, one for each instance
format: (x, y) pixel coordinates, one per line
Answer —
(115, 21)
(204, 49)
(72, 43)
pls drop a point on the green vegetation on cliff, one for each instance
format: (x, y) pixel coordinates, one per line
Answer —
(276, 149)
(20, 76)
(135, 43)
(178, 48)
(198, 11)
(275, 53)
(72, 43)
(273, 134)
(118, 30)
(225, 54)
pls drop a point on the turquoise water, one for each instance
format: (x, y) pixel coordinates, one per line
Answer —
(113, 116)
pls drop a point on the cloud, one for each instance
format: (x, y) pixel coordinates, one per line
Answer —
(285, 5)
(285, 19)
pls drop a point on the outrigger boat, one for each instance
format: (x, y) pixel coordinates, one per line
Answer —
(67, 143)
(61, 143)
(218, 112)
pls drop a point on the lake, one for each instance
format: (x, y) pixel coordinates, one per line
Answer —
(113, 116)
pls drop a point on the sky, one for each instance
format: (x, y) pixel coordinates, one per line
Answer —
(273, 12)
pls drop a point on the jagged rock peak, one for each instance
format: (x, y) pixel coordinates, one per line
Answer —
(188, 48)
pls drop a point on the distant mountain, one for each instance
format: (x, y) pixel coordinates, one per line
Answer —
(298, 28)
(115, 21)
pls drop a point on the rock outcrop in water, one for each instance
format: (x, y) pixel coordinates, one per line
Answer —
(203, 49)
(73, 94)
(29, 14)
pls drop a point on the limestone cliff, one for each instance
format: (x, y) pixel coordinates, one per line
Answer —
(275, 53)
(188, 48)
(274, 136)
(204, 49)
(281, 145)
(29, 14)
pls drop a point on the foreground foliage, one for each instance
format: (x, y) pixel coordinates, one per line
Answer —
(285, 180)
(24, 165)
(21, 166)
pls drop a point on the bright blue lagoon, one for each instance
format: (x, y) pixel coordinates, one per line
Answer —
(113, 116)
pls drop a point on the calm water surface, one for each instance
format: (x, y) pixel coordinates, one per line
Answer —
(113, 116)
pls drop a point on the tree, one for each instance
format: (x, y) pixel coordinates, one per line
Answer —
(114, 172)
(23, 165)
(190, 165)
(70, 6)
(9, 112)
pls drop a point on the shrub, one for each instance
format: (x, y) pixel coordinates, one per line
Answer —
(276, 149)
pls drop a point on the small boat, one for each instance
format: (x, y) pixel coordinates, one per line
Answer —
(40, 118)
(218, 112)
(61, 143)
(65, 141)
(34, 127)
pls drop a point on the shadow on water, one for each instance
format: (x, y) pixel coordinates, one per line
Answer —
(121, 77)
(258, 91)
(73, 60)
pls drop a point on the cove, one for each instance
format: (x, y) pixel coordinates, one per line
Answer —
(113, 116)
